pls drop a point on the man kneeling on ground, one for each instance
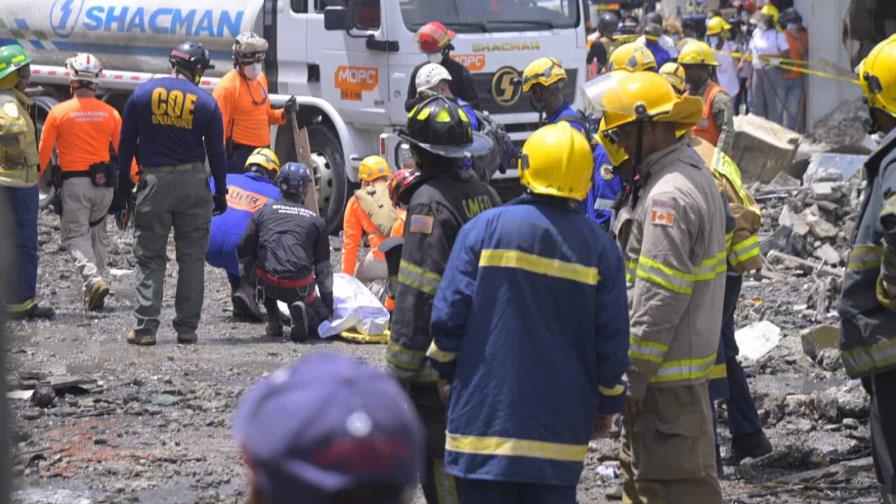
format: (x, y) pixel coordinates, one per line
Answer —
(289, 246)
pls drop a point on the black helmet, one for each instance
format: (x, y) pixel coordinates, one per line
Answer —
(629, 26)
(608, 23)
(790, 15)
(695, 22)
(294, 178)
(191, 57)
(653, 18)
(441, 126)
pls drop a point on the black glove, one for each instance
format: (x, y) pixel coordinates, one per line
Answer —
(291, 107)
(220, 201)
(120, 199)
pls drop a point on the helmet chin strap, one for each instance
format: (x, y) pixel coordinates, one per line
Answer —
(870, 123)
(639, 154)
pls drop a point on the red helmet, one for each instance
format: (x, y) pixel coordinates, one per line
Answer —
(433, 37)
(400, 181)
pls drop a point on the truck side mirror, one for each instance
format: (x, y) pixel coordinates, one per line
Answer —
(338, 19)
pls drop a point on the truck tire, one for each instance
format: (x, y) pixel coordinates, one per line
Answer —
(326, 152)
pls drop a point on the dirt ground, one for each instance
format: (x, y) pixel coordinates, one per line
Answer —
(152, 425)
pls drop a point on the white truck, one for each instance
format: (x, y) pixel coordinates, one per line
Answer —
(347, 61)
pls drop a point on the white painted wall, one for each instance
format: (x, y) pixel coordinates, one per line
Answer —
(824, 20)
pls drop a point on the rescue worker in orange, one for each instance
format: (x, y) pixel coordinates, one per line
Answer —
(369, 212)
(717, 124)
(242, 95)
(83, 130)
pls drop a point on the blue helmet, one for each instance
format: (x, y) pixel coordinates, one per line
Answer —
(294, 178)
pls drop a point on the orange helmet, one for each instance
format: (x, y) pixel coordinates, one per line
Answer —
(433, 37)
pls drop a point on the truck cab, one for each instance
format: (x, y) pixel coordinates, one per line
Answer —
(347, 61)
(359, 55)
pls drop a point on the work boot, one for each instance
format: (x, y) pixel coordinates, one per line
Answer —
(299, 314)
(274, 329)
(752, 445)
(187, 338)
(142, 338)
(34, 313)
(244, 305)
(95, 295)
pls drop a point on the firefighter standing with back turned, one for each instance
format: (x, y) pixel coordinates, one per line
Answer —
(868, 303)
(171, 125)
(529, 329)
(672, 232)
(246, 109)
(18, 184)
(84, 131)
(440, 135)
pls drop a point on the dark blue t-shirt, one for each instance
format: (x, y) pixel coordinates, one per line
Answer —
(171, 121)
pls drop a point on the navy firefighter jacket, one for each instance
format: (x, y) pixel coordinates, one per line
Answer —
(530, 326)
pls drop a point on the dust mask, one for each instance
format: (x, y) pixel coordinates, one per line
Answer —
(793, 28)
(713, 42)
(252, 71)
(434, 57)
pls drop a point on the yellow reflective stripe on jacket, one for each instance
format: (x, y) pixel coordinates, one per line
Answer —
(662, 275)
(726, 167)
(685, 369)
(865, 257)
(404, 358)
(650, 351)
(718, 371)
(501, 258)
(510, 447)
(676, 280)
(438, 355)
(744, 251)
(418, 278)
(864, 359)
(611, 392)
(630, 269)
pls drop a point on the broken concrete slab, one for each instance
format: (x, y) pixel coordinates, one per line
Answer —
(818, 338)
(825, 191)
(821, 228)
(828, 254)
(833, 166)
(762, 148)
(783, 181)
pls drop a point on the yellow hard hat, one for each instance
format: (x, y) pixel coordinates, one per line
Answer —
(697, 53)
(615, 151)
(544, 71)
(633, 56)
(674, 73)
(770, 10)
(625, 97)
(877, 74)
(266, 159)
(372, 168)
(716, 25)
(557, 161)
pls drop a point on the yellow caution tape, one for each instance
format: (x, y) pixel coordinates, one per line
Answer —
(792, 65)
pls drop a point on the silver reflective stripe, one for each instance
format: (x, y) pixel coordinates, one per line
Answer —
(603, 204)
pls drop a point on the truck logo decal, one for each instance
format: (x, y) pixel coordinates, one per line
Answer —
(352, 81)
(64, 16)
(473, 62)
(533, 45)
(505, 86)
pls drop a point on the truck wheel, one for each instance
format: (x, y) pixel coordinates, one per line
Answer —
(330, 179)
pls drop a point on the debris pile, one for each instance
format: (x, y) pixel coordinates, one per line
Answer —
(843, 125)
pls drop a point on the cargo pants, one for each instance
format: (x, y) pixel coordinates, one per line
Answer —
(668, 450)
(169, 197)
(83, 224)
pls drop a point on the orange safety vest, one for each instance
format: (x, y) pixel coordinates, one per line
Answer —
(795, 54)
(707, 128)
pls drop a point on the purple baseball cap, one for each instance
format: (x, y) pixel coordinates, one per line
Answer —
(327, 424)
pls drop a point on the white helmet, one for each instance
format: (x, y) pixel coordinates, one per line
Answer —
(429, 75)
(249, 48)
(84, 67)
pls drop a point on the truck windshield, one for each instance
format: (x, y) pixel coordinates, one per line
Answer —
(491, 15)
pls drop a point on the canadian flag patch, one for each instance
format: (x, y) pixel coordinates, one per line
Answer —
(662, 217)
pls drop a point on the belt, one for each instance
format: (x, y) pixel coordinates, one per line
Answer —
(75, 174)
(290, 283)
(174, 168)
